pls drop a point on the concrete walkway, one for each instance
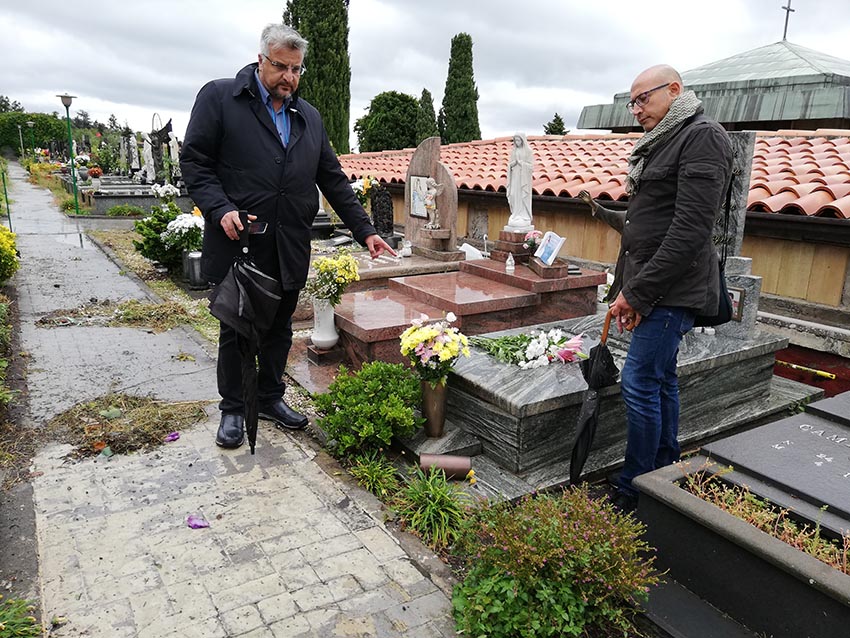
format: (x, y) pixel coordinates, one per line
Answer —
(293, 547)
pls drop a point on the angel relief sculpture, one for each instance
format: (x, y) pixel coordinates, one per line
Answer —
(432, 190)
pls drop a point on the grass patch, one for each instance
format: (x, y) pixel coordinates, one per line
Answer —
(157, 317)
(17, 619)
(196, 310)
(743, 504)
(123, 423)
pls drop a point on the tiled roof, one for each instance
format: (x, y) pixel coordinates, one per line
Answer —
(794, 172)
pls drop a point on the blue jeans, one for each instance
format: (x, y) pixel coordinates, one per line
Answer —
(650, 391)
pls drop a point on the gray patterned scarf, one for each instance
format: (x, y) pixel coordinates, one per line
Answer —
(685, 106)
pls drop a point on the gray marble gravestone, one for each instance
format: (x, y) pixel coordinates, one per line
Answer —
(801, 463)
(835, 408)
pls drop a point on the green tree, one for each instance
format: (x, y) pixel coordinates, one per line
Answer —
(426, 121)
(82, 120)
(327, 82)
(460, 100)
(113, 123)
(8, 106)
(47, 128)
(389, 124)
(555, 126)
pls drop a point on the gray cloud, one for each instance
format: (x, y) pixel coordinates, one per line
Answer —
(530, 58)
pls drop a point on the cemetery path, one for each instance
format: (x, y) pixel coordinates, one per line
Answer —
(293, 547)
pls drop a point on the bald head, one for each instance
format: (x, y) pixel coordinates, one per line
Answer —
(653, 91)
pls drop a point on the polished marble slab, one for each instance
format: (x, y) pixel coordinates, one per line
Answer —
(463, 293)
(525, 278)
(526, 419)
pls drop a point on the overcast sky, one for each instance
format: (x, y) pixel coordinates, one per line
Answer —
(531, 58)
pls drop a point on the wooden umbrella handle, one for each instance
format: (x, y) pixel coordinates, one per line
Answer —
(606, 327)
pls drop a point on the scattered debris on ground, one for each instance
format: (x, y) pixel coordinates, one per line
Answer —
(133, 313)
(119, 424)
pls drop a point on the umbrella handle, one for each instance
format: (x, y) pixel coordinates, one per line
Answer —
(606, 327)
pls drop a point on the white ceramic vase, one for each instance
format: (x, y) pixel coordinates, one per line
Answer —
(325, 335)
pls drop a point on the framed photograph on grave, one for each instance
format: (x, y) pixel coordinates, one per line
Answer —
(736, 296)
(418, 189)
(549, 247)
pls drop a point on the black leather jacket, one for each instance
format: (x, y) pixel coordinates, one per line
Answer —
(667, 256)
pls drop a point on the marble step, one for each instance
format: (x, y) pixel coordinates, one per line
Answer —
(464, 293)
(526, 279)
(454, 441)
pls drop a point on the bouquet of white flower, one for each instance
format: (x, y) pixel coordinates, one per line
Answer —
(184, 233)
(166, 192)
(533, 350)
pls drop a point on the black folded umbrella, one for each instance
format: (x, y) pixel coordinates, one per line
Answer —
(599, 370)
(247, 300)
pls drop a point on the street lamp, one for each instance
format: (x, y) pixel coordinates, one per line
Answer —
(30, 123)
(66, 102)
(21, 137)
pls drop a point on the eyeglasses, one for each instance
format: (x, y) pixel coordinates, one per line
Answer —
(299, 69)
(642, 99)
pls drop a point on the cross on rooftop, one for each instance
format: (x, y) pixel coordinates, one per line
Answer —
(788, 11)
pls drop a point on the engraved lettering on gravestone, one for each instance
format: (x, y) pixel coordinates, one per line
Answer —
(835, 438)
(822, 457)
(782, 445)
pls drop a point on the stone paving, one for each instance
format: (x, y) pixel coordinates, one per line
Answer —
(294, 548)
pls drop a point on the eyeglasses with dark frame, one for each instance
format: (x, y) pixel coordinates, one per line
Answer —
(642, 99)
(280, 67)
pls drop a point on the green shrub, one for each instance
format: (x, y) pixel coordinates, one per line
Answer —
(552, 565)
(9, 262)
(432, 507)
(125, 210)
(17, 619)
(365, 409)
(151, 228)
(375, 473)
(68, 204)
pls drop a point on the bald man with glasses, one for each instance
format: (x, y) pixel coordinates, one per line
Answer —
(667, 270)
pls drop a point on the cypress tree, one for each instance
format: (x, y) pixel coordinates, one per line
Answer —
(555, 126)
(460, 100)
(426, 121)
(327, 82)
(389, 124)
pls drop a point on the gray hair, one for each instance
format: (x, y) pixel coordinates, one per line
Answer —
(282, 36)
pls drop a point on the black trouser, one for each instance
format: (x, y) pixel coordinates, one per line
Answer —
(273, 352)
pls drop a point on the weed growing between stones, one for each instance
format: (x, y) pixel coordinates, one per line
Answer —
(17, 619)
(743, 504)
(375, 473)
(432, 507)
(120, 424)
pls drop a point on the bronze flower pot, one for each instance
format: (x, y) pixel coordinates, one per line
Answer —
(434, 408)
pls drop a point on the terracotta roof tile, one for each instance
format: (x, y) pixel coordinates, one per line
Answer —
(794, 172)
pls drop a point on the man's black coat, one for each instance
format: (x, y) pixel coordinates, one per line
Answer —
(233, 159)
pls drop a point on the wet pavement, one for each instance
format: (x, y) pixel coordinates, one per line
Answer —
(294, 548)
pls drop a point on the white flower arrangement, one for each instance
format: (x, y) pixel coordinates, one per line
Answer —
(184, 232)
(166, 192)
(533, 350)
(82, 159)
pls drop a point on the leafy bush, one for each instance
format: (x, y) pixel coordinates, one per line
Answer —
(552, 565)
(151, 229)
(365, 409)
(375, 473)
(8, 254)
(68, 204)
(125, 210)
(432, 507)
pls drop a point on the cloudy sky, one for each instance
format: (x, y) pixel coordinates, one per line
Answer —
(531, 58)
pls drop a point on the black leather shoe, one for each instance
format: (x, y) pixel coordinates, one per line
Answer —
(283, 416)
(231, 431)
(624, 503)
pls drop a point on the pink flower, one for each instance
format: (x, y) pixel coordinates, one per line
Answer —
(566, 355)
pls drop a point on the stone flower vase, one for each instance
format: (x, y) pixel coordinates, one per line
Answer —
(325, 335)
(434, 408)
(83, 173)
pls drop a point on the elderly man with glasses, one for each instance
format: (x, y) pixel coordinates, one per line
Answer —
(667, 270)
(253, 145)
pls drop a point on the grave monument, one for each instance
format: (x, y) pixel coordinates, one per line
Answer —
(518, 192)
(430, 203)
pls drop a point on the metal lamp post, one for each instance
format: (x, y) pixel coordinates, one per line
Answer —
(21, 137)
(31, 124)
(66, 102)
